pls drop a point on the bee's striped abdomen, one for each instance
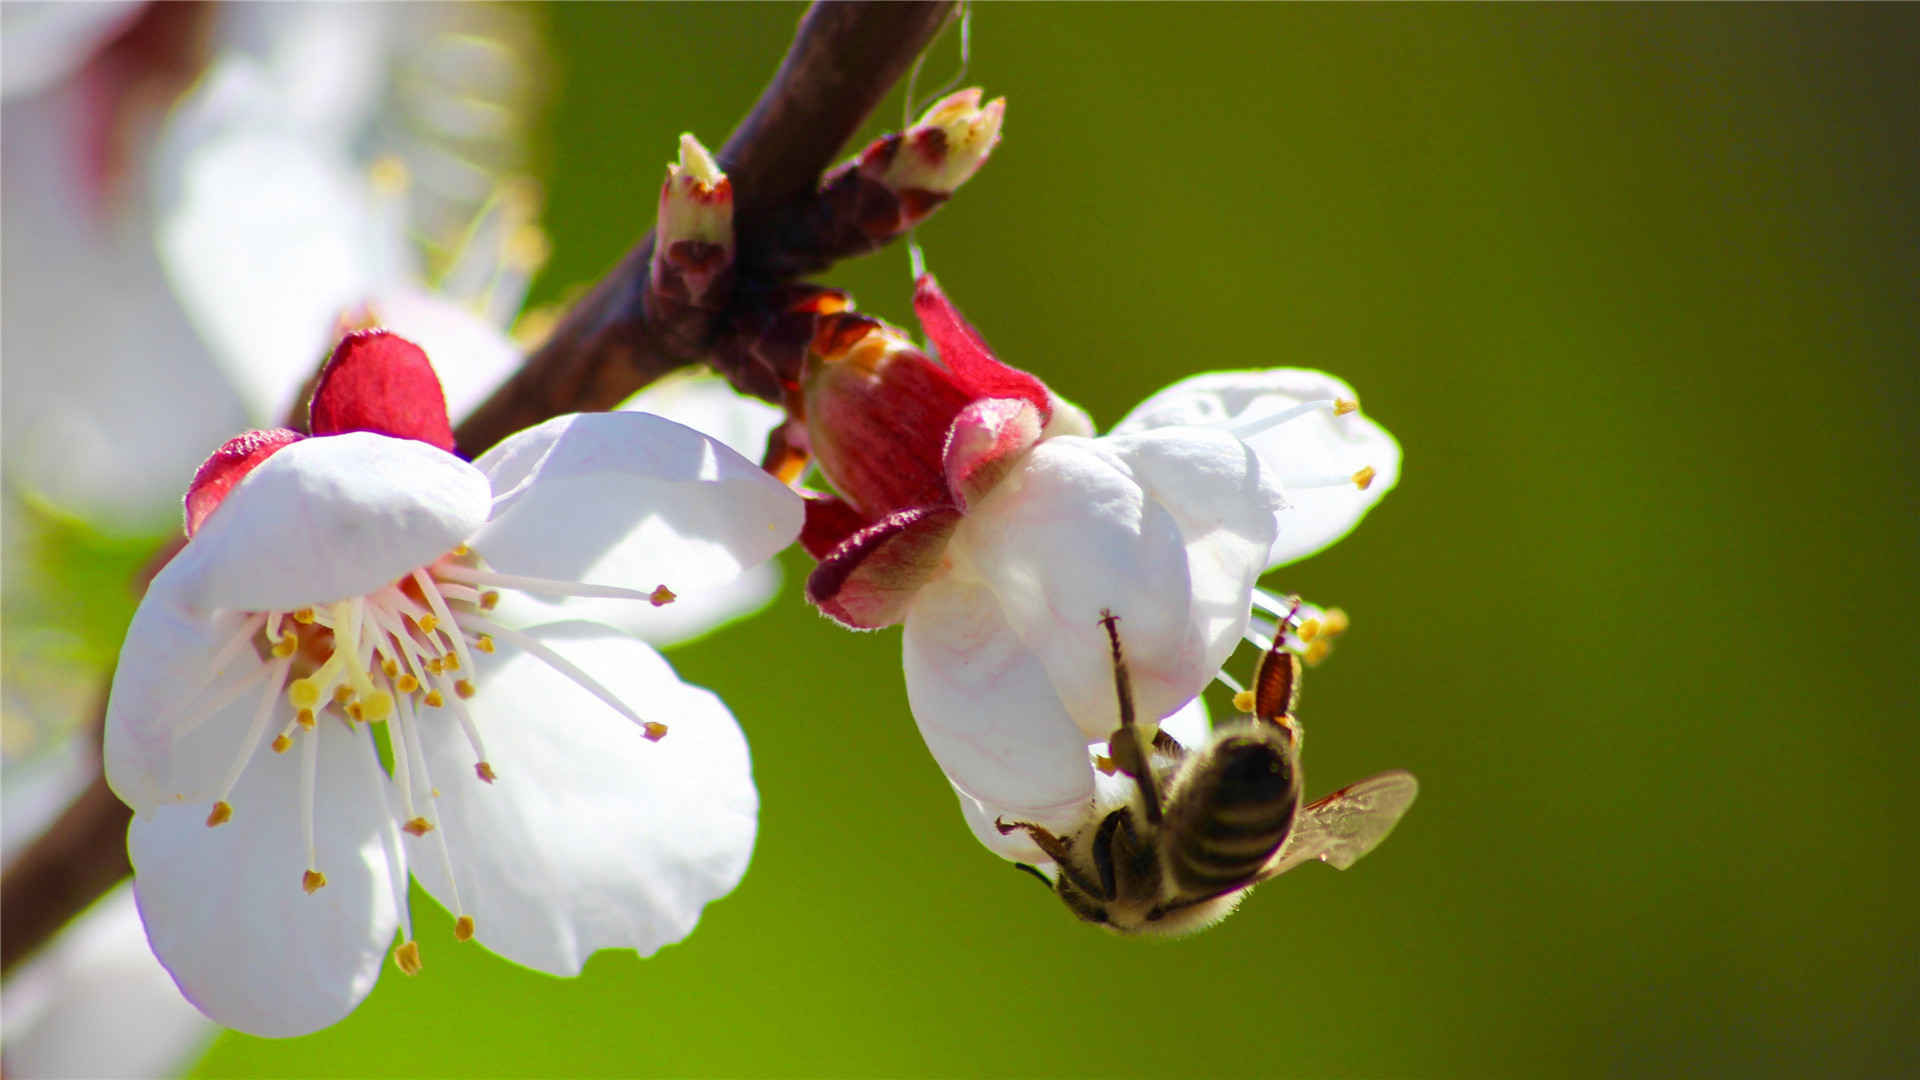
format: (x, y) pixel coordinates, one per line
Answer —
(1227, 819)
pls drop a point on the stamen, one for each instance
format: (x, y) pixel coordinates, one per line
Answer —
(484, 770)
(662, 596)
(652, 730)
(304, 616)
(276, 674)
(1364, 478)
(439, 606)
(309, 772)
(1229, 682)
(1243, 701)
(313, 881)
(221, 813)
(548, 586)
(418, 826)
(396, 871)
(281, 742)
(397, 744)
(1244, 428)
(463, 928)
(1336, 621)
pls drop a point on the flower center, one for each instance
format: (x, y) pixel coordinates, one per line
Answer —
(399, 658)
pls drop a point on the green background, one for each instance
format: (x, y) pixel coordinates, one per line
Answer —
(1635, 288)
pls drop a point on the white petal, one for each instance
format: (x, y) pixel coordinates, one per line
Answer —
(471, 357)
(1316, 445)
(160, 750)
(985, 705)
(99, 976)
(41, 42)
(328, 519)
(707, 404)
(1070, 533)
(108, 400)
(630, 499)
(267, 233)
(224, 908)
(592, 837)
(1189, 726)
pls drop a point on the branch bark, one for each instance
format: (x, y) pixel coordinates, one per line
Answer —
(844, 58)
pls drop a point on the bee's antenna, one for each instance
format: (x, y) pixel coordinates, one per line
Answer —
(1125, 746)
(1035, 871)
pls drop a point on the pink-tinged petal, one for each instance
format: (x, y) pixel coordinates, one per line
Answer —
(99, 975)
(1071, 534)
(591, 836)
(965, 353)
(867, 582)
(380, 382)
(224, 907)
(228, 466)
(1319, 446)
(41, 43)
(986, 706)
(163, 746)
(630, 499)
(327, 519)
(831, 521)
(986, 440)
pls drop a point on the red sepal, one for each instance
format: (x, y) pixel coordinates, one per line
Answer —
(965, 353)
(379, 381)
(229, 465)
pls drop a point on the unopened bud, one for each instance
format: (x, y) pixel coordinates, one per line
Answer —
(693, 238)
(942, 150)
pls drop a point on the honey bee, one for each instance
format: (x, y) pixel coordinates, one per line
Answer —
(1208, 825)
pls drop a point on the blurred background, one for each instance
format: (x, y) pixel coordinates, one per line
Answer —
(1634, 287)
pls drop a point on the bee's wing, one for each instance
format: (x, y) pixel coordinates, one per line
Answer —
(1346, 824)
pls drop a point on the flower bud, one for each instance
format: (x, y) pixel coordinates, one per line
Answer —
(942, 150)
(693, 239)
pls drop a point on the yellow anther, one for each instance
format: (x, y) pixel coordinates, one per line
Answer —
(1337, 621)
(304, 718)
(461, 551)
(427, 624)
(221, 814)
(280, 744)
(526, 248)
(304, 615)
(1343, 406)
(406, 683)
(436, 665)
(313, 881)
(418, 826)
(465, 689)
(484, 643)
(485, 772)
(1105, 764)
(1364, 478)
(407, 957)
(661, 597)
(1243, 701)
(1309, 630)
(303, 694)
(489, 599)
(452, 661)
(433, 699)
(285, 646)
(1317, 652)
(654, 732)
(463, 928)
(342, 694)
(354, 711)
(388, 174)
(391, 668)
(376, 707)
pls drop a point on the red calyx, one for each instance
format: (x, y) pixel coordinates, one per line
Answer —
(229, 465)
(379, 381)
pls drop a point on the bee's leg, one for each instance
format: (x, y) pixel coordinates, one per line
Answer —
(1056, 849)
(1125, 746)
(1164, 743)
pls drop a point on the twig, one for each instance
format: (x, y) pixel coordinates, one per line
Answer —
(844, 58)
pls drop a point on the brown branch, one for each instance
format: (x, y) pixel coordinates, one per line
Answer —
(844, 59)
(78, 859)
